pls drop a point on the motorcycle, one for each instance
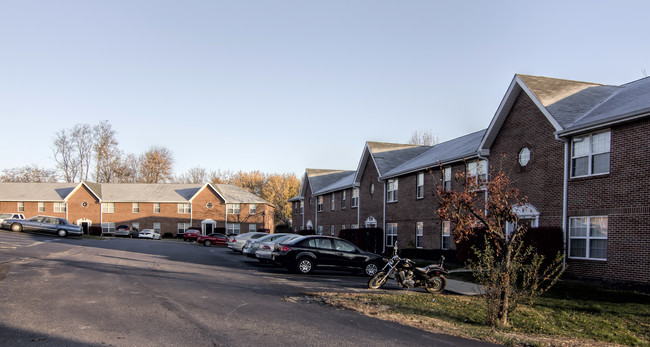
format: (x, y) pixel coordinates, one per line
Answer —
(407, 275)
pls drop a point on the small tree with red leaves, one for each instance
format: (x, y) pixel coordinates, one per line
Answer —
(509, 272)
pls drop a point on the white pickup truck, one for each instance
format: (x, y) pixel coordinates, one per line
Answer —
(4, 216)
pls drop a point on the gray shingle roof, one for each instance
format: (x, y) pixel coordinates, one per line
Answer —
(452, 150)
(35, 191)
(388, 156)
(344, 183)
(320, 178)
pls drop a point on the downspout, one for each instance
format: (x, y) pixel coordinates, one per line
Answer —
(565, 194)
(358, 206)
(384, 219)
(225, 223)
(316, 216)
(487, 175)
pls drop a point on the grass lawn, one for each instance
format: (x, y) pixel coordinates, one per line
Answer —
(570, 314)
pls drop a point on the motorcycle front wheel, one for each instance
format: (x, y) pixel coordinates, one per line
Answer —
(377, 280)
(435, 284)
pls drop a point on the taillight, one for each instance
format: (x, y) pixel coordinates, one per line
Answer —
(283, 248)
(264, 247)
(234, 240)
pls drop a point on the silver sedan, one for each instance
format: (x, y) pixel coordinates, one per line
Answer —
(55, 225)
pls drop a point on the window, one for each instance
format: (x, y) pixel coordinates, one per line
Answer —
(419, 186)
(332, 203)
(156, 207)
(108, 207)
(135, 207)
(184, 208)
(331, 230)
(21, 206)
(233, 208)
(446, 234)
(182, 227)
(343, 200)
(319, 204)
(320, 230)
(446, 178)
(135, 226)
(343, 227)
(354, 226)
(59, 207)
(588, 237)
(108, 228)
(590, 154)
(391, 195)
(391, 234)
(156, 227)
(41, 207)
(232, 228)
(477, 170)
(302, 207)
(524, 156)
(355, 198)
(252, 209)
(252, 228)
(419, 234)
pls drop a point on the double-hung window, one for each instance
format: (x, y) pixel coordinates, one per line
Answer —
(477, 170)
(41, 207)
(302, 207)
(108, 207)
(59, 207)
(156, 226)
(252, 209)
(419, 234)
(588, 237)
(108, 227)
(446, 234)
(419, 186)
(232, 228)
(252, 228)
(182, 227)
(355, 198)
(391, 194)
(21, 206)
(332, 203)
(391, 234)
(135, 207)
(590, 154)
(156, 207)
(343, 199)
(319, 230)
(184, 208)
(233, 208)
(446, 178)
(320, 204)
(332, 230)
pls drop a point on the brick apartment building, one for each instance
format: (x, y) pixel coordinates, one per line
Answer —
(579, 152)
(168, 208)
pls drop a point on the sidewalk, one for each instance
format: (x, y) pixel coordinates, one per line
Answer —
(463, 288)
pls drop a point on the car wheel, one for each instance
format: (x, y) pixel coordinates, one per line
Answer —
(370, 269)
(62, 233)
(305, 265)
(207, 243)
(16, 227)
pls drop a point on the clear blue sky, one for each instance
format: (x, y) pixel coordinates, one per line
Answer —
(280, 86)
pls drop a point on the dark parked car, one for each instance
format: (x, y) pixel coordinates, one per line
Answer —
(56, 225)
(191, 234)
(125, 230)
(213, 239)
(305, 253)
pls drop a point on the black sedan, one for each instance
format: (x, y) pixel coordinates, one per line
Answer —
(56, 225)
(305, 253)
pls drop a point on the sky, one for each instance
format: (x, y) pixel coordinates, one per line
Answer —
(281, 86)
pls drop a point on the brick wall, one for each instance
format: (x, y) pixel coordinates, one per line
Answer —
(340, 216)
(371, 203)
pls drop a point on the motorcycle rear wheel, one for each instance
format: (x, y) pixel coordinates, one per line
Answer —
(377, 280)
(435, 284)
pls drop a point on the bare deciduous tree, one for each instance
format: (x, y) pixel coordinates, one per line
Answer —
(83, 141)
(107, 154)
(423, 138)
(126, 170)
(156, 165)
(28, 174)
(64, 155)
(194, 175)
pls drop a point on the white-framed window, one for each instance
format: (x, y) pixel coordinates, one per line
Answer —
(156, 207)
(252, 208)
(156, 227)
(135, 207)
(108, 207)
(332, 230)
(232, 228)
(21, 206)
(332, 203)
(302, 207)
(354, 226)
(446, 178)
(446, 234)
(319, 204)
(391, 194)
(319, 230)
(184, 208)
(477, 170)
(419, 234)
(108, 228)
(588, 237)
(41, 207)
(181, 227)
(419, 186)
(343, 227)
(391, 234)
(252, 228)
(343, 199)
(135, 225)
(233, 208)
(355, 198)
(59, 207)
(590, 154)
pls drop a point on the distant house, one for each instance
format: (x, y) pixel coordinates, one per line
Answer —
(168, 208)
(579, 151)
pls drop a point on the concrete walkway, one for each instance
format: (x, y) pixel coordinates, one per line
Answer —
(463, 288)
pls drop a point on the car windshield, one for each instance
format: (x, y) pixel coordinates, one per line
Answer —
(257, 236)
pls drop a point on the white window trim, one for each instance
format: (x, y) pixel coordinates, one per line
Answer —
(477, 169)
(184, 208)
(20, 206)
(108, 207)
(587, 238)
(156, 204)
(233, 208)
(446, 178)
(252, 209)
(59, 207)
(419, 186)
(41, 206)
(419, 234)
(392, 190)
(319, 203)
(590, 155)
(354, 202)
(446, 225)
(109, 226)
(135, 207)
(391, 234)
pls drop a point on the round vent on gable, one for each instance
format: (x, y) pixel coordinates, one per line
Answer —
(208, 205)
(84, 204)
(524, 156)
